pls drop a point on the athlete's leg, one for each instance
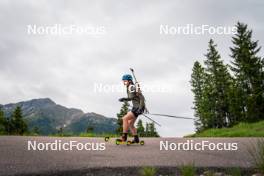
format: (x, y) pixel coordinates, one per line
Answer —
(132, 126)
(133, 129)
(129, 116)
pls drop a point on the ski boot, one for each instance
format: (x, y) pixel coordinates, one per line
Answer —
(135, 140)
(122, 140)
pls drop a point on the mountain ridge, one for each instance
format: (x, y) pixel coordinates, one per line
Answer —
(49, 117)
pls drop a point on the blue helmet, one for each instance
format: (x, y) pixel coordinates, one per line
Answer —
(127, 77)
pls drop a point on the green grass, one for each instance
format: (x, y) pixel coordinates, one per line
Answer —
(240, 130)
(257, 154)
(148, 171)
(71, 134)
(84, 135)
(187, 170)
(234, 171)
(98, 135)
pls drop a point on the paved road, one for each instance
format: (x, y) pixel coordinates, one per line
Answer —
(15, 158)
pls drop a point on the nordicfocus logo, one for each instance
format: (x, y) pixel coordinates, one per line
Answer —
(58, 145)
(203, 145)
(112, 88)
(191, 29)
(59, 30)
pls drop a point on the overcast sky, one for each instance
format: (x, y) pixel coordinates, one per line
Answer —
(66, 67)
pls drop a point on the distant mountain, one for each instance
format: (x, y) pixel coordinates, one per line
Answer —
(49, 117)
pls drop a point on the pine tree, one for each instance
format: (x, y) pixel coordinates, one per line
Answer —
(211, 87)
(219, 81)
(197, 83)
(90, 129)
(120, 115)
(152, 130)
(35, 130)
(8, 125)
(140, 128)
(234, 104)
(208, 103)
(18, 125)
(60, 131)
(2, 122)
(248, 73)
(147, 133)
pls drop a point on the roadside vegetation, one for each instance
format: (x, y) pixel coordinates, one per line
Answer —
(234, 172)
(191, 170)
(187, 170)
(230, 96)
(240, 130)
(148, 171)
(257, 153)
(15, 125)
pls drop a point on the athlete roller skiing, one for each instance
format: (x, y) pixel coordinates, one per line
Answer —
(138, 102)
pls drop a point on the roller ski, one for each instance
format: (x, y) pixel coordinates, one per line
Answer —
(124, 141)
(128, 142)
(137, 141)
(133, 142)
(120, 142)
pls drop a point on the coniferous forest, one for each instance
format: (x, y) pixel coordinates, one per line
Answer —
(228, 93)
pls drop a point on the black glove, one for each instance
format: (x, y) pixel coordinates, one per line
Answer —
(122, 99)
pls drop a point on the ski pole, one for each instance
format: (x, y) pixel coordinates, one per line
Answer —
(136, 82)
(132, 70)
(148, 117)
(151, 120)
(177, 117)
